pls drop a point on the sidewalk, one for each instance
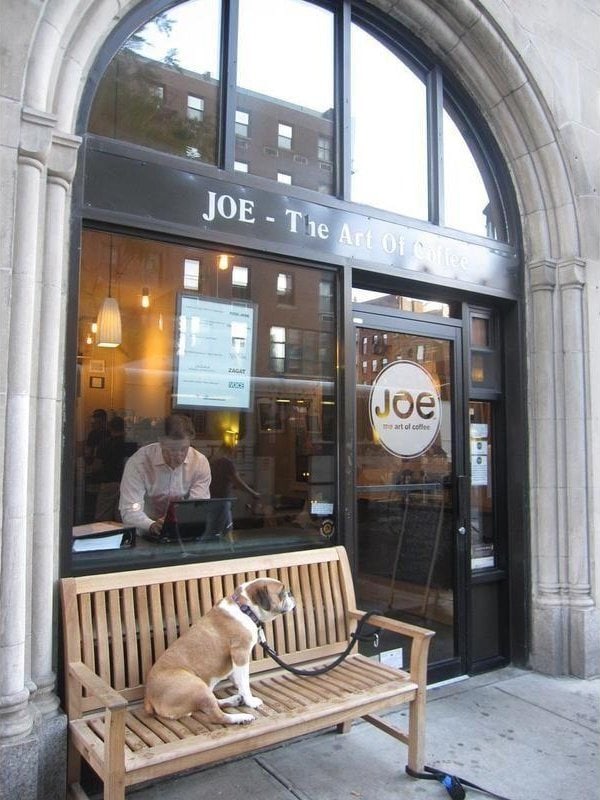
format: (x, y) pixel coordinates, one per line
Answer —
(520, 734)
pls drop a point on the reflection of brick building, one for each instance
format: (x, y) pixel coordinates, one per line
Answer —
(163, 106)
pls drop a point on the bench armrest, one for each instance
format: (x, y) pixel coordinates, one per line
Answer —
(393, 625)
(96, 685)
(420, 645)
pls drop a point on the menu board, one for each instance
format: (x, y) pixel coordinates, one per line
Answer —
(214, 353)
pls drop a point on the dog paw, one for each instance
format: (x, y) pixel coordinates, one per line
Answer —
(252, 702)
(239, 719)
(228, 702)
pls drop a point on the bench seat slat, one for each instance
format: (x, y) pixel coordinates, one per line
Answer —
(288, 701)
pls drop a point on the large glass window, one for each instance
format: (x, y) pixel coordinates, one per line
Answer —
(161, 89)
(389, 129)
(287, 89)
(201, 334)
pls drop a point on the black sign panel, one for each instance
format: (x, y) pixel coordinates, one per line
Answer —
(157, 196)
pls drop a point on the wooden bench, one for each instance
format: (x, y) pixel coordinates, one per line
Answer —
(116, 625)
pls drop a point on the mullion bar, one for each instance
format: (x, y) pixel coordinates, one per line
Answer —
(435, 152)
(342, 101)
(229, 39)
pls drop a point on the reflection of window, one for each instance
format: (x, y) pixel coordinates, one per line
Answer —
(240, 282)
(284, 136)
(242, 123)
(295, 351)
(277, 349)
(325, 297)
(157, 92)
(191, 274)
(195, 108)
(283, 177)
(239, 338)
(285, 288)
(240, 166)
(324, 149)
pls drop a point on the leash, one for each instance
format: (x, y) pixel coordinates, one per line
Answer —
(452, 783)
(308, 673)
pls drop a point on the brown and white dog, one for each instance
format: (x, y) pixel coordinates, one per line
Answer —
(216, 647)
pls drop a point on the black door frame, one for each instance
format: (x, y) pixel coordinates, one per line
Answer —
(448, 329)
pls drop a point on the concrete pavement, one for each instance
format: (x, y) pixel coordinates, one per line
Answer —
(520, 734)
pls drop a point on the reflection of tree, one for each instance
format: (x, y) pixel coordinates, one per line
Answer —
(129, 106)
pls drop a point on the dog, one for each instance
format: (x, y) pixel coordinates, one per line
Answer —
(216, 647)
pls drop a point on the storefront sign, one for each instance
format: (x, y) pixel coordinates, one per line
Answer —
(214, 353)
(405, 409)
(193, 204)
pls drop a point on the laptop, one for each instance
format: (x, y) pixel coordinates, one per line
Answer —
(187, 520)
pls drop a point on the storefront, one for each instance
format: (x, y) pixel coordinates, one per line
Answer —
(357, 265)
(325, 279)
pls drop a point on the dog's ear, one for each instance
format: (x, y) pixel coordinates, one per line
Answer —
(262, 597)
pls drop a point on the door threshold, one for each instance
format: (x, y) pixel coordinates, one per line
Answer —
(448, 681)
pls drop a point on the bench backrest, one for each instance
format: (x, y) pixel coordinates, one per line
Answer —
(119, 623)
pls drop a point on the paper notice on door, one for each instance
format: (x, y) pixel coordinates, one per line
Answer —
(479, 470)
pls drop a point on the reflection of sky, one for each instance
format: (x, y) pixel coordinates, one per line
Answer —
(465, 193)
(286, 51)
(194, 35)
(389, 159)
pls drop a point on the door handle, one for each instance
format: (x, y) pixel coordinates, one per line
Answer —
(462, 530)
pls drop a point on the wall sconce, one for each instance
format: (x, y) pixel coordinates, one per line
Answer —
(109, 316)
(94, 327)
(223, 262)
(230, 438)
(145, 297)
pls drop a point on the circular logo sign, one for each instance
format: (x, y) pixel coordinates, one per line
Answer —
(405, 409)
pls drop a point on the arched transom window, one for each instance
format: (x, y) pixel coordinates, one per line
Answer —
(310, 95)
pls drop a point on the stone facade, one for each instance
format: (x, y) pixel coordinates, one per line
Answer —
(534, 72)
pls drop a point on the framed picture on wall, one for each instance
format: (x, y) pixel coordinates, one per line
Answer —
(96, 382)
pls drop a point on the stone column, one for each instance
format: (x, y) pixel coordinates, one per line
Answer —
(15, 715)
(548, 646)
(572, 282)
(61, 167)
(584, 622)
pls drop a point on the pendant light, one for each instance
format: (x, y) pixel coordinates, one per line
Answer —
(109, 317)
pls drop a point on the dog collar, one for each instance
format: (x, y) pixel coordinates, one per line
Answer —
(246, 610)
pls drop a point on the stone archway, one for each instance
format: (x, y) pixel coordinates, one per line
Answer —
(66, 40)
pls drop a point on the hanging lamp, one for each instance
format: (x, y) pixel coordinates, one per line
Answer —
(109, 316)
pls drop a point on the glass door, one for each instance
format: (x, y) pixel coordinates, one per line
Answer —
(410, 526)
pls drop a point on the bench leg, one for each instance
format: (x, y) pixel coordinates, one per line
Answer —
(416, 732)
(73, 766)
(114, 755)
(344, 727)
